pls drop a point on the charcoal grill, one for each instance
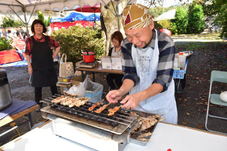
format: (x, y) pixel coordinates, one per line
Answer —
(95, 130)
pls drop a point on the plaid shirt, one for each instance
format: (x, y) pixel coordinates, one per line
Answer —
(165, 64)
(28, 42)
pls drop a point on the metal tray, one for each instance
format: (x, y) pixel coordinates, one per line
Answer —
(98, 123)
(135, 136)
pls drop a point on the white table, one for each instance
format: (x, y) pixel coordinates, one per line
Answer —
(165, 136)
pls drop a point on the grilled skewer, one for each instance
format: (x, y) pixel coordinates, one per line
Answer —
(57, 100)
(79, 102)
(112, 111)
(70, 101)
(94, 106)
(99, 110)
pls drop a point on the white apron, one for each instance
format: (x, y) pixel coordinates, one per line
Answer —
(146, 62)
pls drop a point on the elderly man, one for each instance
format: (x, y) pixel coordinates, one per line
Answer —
(148, 66)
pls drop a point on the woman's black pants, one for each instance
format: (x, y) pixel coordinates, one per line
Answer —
(114, 81)
(38, 93)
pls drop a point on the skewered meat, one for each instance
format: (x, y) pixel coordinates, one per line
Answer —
(112, 111)
(65, 101)
(94, 106)
(57, 100)
(99, 110)
(70, 101)
(79, 102)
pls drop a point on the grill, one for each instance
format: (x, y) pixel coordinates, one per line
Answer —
(95, 130)
(116, 124)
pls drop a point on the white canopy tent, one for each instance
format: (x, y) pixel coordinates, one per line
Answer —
(166, 15)
(26, 9)
(29, 5)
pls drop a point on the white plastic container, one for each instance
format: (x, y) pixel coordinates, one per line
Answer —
(106, 62)
(181, 60)
(176, 62)
(116, 63)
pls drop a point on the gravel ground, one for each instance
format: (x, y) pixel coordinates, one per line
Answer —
(191, 102)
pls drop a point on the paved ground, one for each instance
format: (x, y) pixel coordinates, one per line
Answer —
(191, 102)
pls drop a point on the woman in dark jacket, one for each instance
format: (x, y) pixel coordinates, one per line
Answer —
(40, 52)
(115, 80)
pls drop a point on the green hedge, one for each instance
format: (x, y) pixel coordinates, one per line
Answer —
(4, 44)
(196, 19)
(165, 24)
(180, 23)
(9, 22)
(76, 39)
(221, 20)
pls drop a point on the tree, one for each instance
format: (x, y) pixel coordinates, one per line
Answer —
(42, 18)
(180, 23)
(196, 19)
(217, 9)
(75, 39)
(8, 22)
(221, 18)
(5, 44)
(209, 8)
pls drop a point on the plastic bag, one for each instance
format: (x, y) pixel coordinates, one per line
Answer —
(78, 90)
(93, 91)
(87, 88)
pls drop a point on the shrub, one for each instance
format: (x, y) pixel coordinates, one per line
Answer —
(196, 21)
(157, 25)
(180, 23)
(9, 22)
(42, 18)
(4, 44)
(76, 39)
(221, 20)
(165, 24)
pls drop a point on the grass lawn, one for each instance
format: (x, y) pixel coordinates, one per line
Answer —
(202, 36)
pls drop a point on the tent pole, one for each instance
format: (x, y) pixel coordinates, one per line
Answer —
(27, 31)
(26, 22)
(31, 13)
(118, 16)
(16, 13)
(28, 19)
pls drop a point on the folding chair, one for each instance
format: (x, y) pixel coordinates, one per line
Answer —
(218, 76)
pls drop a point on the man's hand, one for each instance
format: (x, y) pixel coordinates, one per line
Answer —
(131, 101)
(114, 96)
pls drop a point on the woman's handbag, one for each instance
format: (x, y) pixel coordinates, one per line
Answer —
(65, 68)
